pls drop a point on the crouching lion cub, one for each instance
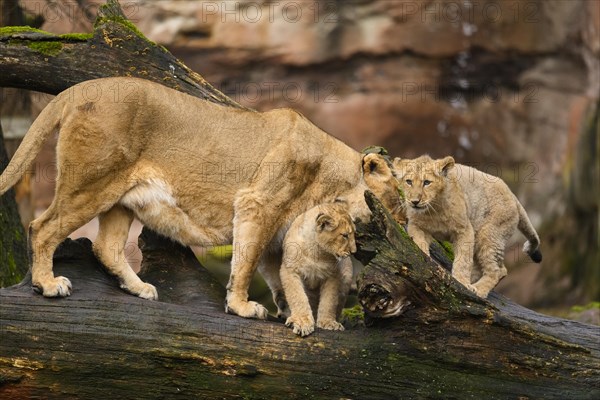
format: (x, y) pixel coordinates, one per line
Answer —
(316, 263)
(477, 212)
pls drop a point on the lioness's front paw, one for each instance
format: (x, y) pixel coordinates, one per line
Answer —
(301, 325)
(246, 309)
(330, 325)
(54, 287)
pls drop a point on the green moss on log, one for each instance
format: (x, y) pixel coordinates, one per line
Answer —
(447, 246)
(77, 37)
(353, 316)
(12, 30)
(47, 48)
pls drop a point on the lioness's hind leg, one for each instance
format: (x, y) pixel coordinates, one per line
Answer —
(42, 244)
(65, 214)
(109, 247)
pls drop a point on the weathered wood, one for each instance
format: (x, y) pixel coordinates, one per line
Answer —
(102, 342)
(13, 250)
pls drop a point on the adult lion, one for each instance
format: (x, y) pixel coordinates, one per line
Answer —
(196, 172)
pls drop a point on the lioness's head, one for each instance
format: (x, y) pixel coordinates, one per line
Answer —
(423, 179)
(335, 230)
(379, 177)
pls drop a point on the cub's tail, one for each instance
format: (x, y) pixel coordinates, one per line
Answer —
(532, 245)
(42, 127)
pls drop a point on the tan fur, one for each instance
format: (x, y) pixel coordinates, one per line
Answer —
(197, 172)
(316, 263)
(477, 212)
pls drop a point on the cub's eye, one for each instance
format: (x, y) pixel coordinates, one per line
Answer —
(409, 182)
(426, 183)
(345, 235)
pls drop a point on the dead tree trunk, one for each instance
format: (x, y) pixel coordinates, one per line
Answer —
(102, 342)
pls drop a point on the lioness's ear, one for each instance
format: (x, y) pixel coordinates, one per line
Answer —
(324, 222)
(375, 164)
(445, 165)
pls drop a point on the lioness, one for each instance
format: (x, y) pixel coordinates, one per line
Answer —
(477, 212)
(196, 172)
(378, 173)
(316, 259)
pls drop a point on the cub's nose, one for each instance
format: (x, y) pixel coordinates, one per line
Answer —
(415, 202)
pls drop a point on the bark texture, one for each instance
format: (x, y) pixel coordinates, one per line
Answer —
(102, 342)
(13, 249)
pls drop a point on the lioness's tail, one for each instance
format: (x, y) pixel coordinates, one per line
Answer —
(532, 245)
(31, 145)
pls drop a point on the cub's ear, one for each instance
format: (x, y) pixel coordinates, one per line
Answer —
(324, 222)
(375, 164)
(445, 165)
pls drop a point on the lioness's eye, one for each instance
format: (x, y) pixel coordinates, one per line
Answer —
(426, 183)
(409, 182)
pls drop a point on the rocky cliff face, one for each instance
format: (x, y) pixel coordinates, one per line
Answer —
(509, 87)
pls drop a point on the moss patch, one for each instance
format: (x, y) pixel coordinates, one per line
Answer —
(589, 306)
(375, 149)
(78, 37)
(352, 317)
(11, 30)
(447, 246)
(125, 23)
(46, 48)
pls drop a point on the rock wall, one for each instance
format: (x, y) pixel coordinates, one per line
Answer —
(507, 86)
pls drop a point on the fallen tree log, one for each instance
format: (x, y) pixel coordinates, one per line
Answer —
(101, 341)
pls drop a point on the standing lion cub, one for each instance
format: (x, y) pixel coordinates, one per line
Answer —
(316, 263)
(475, 211)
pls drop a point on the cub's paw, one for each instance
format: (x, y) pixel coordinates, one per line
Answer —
(474, 289)
(330, 325)
(148, 292)
(54, 287)
(481, 292)
(143, 290)
(246, 309)
(301, 325)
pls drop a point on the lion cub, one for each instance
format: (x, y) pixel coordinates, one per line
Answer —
(316, 263)
(475, 211)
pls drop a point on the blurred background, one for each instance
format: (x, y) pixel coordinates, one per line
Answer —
(510, 87)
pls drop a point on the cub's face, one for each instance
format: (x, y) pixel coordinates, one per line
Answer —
(380, 179)
(335, 230)
(422, 180)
